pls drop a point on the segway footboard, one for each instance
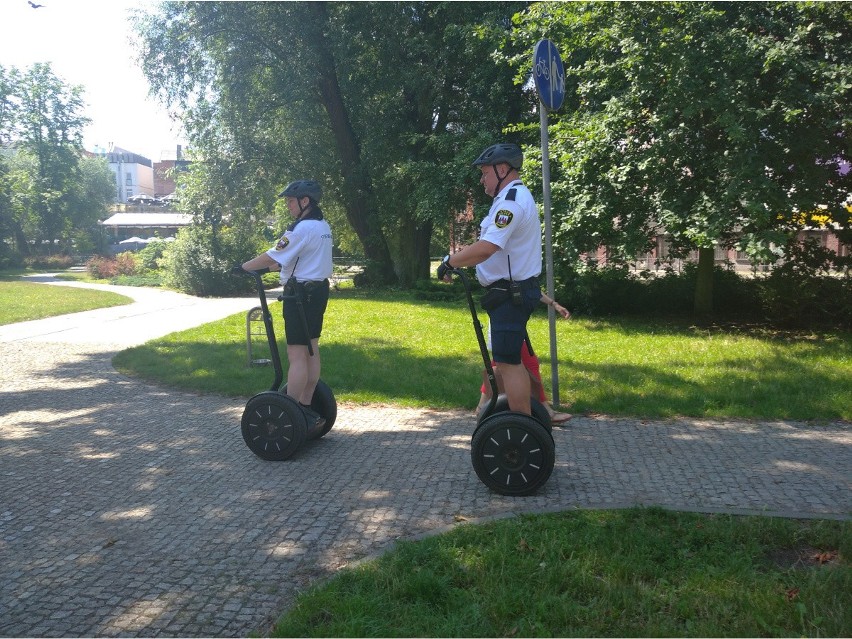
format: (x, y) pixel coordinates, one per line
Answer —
(539, 412)
(324, 403)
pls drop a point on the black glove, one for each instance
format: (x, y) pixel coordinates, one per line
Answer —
(238, 270)
(444, 267)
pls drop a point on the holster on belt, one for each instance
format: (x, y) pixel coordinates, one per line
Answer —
(494, 297)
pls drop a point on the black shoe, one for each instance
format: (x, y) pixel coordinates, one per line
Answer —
(313, 418)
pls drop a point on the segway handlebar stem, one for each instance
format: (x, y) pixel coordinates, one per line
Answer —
(480, 337)
(270, 328)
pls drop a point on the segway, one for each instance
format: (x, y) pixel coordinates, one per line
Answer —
(512, 453)
(274, 425)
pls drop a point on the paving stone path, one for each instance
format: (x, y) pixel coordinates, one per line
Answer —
(131, 510)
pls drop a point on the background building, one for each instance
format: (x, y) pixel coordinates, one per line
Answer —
(134, 173)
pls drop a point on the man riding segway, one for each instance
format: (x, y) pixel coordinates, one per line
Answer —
(507, 257)
(512, 448)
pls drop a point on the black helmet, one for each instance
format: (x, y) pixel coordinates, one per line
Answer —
(303, 188)
(511, 154)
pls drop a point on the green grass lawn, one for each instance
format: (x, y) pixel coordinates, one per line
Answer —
(394, 348)
(23, 301)
(630, 573)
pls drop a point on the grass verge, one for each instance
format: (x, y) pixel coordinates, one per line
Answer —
(24, 301)
(639, 572)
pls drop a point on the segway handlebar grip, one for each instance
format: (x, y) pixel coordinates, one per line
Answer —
(239, 270)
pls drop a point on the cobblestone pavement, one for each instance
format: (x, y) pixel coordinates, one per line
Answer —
(132, 510)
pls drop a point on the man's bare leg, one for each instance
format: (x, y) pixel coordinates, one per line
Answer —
(516, 381)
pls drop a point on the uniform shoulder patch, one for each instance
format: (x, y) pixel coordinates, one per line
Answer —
(511, 194)
(282, 243)
(503, 218)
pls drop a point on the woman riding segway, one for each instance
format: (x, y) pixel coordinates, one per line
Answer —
(303, 257)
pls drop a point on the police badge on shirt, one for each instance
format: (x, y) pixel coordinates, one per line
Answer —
(503, 218)
(282, 243)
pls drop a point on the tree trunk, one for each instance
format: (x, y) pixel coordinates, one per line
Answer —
(21, 242)
(412, 259)
(703, 306)
(357, 188)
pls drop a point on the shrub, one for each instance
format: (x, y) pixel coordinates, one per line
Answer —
(610, 290)
(101, 268)
(104, 268)
(149, 258)
(9, 258)
(200, 260)
(49, 262)
(125, 263)
(790, 296)
(799, 302)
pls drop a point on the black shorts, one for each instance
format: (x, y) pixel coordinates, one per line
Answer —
(509, 326)
(314, 301)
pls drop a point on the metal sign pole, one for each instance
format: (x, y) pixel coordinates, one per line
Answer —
(549, 76)
(548, 254)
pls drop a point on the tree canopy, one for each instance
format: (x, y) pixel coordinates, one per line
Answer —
(48, 190)
(714, 123)
(386, 103)
(718, 123)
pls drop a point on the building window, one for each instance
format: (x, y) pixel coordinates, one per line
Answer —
(128, 178)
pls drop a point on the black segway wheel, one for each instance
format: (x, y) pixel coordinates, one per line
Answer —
(273, 426)
(324, 403)
(512, 453)
(539, 412)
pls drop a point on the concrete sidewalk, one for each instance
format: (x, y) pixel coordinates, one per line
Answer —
(153, 313)
(128, 509)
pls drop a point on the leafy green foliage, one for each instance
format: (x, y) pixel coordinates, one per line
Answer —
(790, 296)
(50, 195)
(151, 256)
(716, 122)
(200, 259)
(386, 104)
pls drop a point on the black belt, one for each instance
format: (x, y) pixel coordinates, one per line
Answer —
(530, 282)
(309, 284)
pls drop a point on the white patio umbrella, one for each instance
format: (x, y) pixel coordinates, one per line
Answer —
(141, 198)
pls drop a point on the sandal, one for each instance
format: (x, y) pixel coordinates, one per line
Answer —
(559, 418)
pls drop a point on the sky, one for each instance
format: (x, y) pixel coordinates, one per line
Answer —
(87, 43)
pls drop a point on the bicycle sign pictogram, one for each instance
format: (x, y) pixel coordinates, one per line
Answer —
(549, 74)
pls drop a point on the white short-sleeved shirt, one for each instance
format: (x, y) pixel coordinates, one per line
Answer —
(512, 224)
(305, 252)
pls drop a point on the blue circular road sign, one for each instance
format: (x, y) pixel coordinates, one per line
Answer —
(549, 75)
